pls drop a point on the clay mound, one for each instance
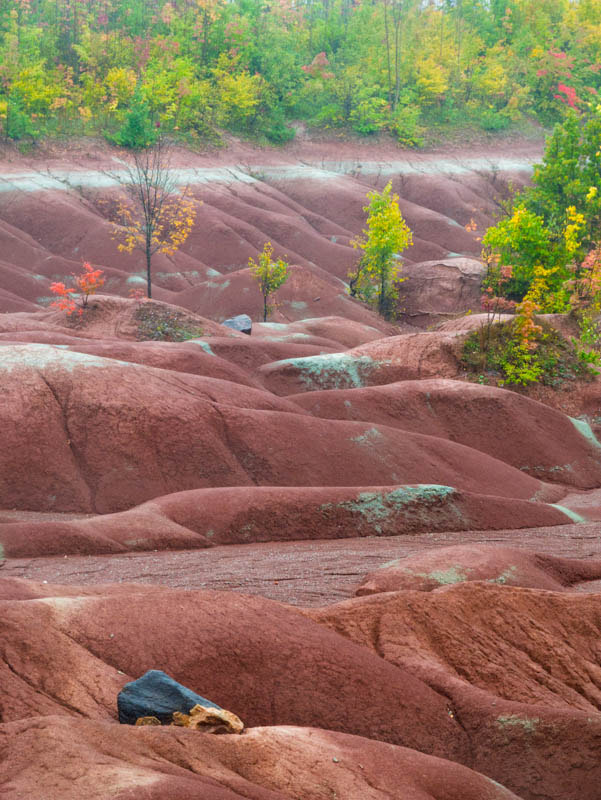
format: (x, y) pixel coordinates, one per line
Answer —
(462, 199)
(55, 221)
(194, 356)
(345, 332)
(22, 323)
(276, 763)
(510, 427)
(519, 667)
(97, 535)
(235, 650)
(308, 292)
(284, 332)
(20, 289)
(434, 234)
(413, 356)
(435, 290)
(468, 323)
(92, 420)
(242, 218)
(117, 317)
(51, 336)
(178, 431)
(471, 322)
(68, 229)
(250, 353)
(204, 517)
(10, 302)
(22, 589)
(507, 566)
(587, 505)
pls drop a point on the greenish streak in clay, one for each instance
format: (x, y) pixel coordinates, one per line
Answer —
(528, 725)
(333, 370)
(289, 337)
(205, 346)
(370, 437)
(1, 551)
(447, 577)
(136, 279)
(215, 285)
(555, 469)
(298, 305)
(568, 512)
(45, 356)
(142, 543)
(585, 430)
(377, 507)
(508, 575)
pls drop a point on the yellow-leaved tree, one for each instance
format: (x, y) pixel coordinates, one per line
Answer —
(378, 273)
(156, 216)
(269, 274)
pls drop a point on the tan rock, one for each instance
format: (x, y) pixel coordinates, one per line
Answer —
(207, 720)
(148, 721)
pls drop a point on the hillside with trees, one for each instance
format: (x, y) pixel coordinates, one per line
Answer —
(196, 68)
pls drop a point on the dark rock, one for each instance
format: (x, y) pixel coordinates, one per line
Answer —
(241, 323)
(155, 694)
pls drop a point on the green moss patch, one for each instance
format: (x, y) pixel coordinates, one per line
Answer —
(157, 323)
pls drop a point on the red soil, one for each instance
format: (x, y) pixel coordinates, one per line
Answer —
(329, 425)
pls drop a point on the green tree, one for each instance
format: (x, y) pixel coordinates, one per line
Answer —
(138, 130)
(520, 241)
(269, 274)
(557, 220)
(378, 274)
(570, 176)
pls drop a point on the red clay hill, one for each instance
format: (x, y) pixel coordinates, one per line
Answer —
(329, 450)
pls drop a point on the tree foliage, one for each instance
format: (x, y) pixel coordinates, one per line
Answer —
(367, 65)
(544, 256)
(269, 274)
(155, 216)
(386, 236)
(73, 299)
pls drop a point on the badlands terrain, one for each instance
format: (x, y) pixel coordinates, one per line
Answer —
(388, 572)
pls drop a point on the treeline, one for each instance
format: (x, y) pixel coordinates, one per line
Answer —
(196, 67)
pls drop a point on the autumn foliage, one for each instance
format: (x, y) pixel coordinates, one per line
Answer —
(117, 67)
(72, 299)
(270, 274)
(377, 276)
(155, 215)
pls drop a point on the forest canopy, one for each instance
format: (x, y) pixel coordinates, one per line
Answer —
(198, 67)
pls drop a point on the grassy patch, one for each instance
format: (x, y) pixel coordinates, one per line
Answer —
(157, 323)
(492, 355)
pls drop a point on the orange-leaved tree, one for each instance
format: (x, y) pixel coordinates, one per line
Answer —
(156, 216)
(71, 299)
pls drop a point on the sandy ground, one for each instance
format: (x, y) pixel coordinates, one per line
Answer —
(301, 573)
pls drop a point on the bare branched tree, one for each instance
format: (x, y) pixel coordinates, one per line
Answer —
(157, 216)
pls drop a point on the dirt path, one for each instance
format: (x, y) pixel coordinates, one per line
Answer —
(301, 573)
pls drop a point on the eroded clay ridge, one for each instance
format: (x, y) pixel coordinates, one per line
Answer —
(198, 507)
(308, 203)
